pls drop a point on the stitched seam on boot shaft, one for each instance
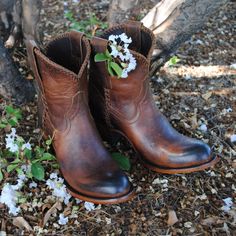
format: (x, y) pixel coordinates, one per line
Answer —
(107, 107)
(114, 113)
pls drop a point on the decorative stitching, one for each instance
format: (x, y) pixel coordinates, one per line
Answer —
(107, 106)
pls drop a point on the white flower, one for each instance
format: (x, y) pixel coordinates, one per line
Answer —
(121, 50)
(233, 138)
(203, 128)
(114, 52)
(132, 64)
(59, 189)
(9, 194)
(53, 175)
(78, 201)
(228, 203)
(33, 185)
(13, 147)
(13, 133)
(124, 74)
(27, 146)
(26, 168)
(62, 219)
(229, 109)
(233, 66)
(124, 38)
(9, 198)
(113, 38)
(10, 141)
(89, 206)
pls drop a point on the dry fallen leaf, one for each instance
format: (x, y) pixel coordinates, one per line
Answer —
(54, 208)
(172, 218)
(21, 223)
(209, 221)
(207, 95)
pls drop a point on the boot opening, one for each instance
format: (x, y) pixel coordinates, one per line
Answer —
(67, 52)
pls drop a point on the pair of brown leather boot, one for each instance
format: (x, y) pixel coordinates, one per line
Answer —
(66, 96)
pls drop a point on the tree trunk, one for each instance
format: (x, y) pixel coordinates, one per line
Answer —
(173, 22)
(121, 10)
(12, 85)
(25, 16)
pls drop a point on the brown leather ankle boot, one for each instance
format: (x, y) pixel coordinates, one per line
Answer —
(126, 106)
(61, 75)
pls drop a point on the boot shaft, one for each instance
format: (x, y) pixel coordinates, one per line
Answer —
(122, 96)
(61, 75)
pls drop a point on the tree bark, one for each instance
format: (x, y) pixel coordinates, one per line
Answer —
(12, 85)
(25, 16)
(121, 10)
(173, 22)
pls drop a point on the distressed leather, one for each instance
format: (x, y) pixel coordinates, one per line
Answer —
(61, 75)
(126, 106)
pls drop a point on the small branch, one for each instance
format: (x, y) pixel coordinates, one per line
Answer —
(223, 91)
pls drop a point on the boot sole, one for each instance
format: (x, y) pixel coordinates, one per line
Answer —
(128, 196)
(166, 170)
(184, 170)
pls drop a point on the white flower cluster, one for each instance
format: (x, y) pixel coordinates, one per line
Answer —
(62, 219)
(59, 189)
(11, 142)
(162, 182)
(10, 194)
(89, 206)
(119, 49)
(228, 203)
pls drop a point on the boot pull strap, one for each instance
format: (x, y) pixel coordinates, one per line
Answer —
(79, 36)
(31, 46)
(99, 45)
(133, 30)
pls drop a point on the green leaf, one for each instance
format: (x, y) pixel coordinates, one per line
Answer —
(173, 60)
(39, 151)
(69, 15)
(18, 114)
(49, 142)
(46, 157)
(19, 171)
(9, 109)
(1, 175)
(13, 121)
(37, 171)
(22, 200)
(110, 69)
(100, 57)
(27, 153)
(122, 161)
(2, 125)
(11, 167)
(108, 54)
(16, 161)
(116, 68)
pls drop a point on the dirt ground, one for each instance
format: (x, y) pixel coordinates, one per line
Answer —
(198, 96)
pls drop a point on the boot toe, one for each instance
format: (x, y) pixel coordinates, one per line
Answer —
(112, 185)
(194, 155)
(118, 184)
